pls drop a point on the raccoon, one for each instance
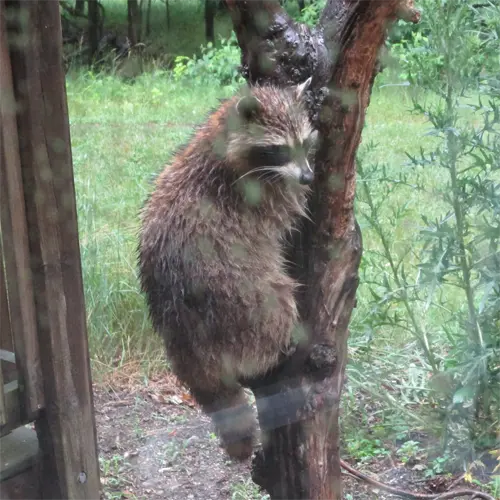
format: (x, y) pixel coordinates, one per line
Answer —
(211, 256)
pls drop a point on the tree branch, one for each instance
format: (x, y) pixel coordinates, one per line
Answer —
(408, 494)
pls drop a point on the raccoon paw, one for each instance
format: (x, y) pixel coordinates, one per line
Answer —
(240, 450)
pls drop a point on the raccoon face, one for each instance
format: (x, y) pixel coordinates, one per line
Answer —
(290, 161)
(271, 136)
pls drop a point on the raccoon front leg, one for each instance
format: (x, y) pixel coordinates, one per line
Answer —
(234, 419)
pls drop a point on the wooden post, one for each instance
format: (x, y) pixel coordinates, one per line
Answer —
(300, 456)
(66, 428)
(15, 239)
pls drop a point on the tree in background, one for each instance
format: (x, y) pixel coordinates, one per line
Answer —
(210, 9)
(134, 22)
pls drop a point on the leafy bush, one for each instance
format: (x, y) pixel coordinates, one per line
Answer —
(214, 64)
(442, 285)
(311, 13)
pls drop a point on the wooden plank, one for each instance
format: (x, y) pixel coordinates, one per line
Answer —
(6, 337)
(19, 452)
(3, 415)
(5, 330)
(23, 486)
(11, 393)
(66, 430)
(15, 241)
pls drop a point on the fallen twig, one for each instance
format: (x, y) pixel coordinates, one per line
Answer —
(408, 494)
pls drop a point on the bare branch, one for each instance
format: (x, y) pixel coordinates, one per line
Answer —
(413, 496)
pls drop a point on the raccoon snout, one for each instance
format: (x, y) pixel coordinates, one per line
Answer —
(306, 177)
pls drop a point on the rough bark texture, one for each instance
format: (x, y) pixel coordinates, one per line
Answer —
(299, 406)
(93, 29)
(134, 22)
(210, 8)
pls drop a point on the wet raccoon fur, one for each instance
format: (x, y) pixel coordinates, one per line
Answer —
(211, 260)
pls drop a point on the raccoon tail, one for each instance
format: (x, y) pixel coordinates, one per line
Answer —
(233, 417)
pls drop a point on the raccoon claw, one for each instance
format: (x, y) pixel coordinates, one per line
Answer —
(289, 351)
(239, 450)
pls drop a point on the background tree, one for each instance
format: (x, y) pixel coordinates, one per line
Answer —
(79, 7)
(134, 22)
(210, 9)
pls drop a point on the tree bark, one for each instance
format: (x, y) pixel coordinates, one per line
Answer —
(134, 22)
(148, 19)
(167, 7)
(210, 8)
(79, 7)
(93, 28)
(300, 454)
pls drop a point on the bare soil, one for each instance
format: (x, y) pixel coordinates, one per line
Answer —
(154, 443)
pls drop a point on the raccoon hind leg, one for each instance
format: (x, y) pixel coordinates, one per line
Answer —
(234, 419)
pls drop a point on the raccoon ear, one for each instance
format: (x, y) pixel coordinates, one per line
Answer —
(248, 107)
(302, 87)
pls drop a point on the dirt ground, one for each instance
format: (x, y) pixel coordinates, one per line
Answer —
(155, 444)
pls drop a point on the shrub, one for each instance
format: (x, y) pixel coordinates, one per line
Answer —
(214, 64)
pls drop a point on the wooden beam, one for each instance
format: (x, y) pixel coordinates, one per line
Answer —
(14, 236)
(11, 394)
(66, 430)
(4, 326)
(22, 486)
(19, 452)
(3, 415)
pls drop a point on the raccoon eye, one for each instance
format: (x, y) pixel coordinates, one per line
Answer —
(274, 155)
(310, 142)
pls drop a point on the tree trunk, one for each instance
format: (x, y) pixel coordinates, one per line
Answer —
(300, 455)
(302, 4)
(210, 8)
(93, 28)
(148, 19)
(134, 22)
(167, 6)
(79, 7)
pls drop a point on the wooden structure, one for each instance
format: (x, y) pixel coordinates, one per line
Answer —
(45, 372)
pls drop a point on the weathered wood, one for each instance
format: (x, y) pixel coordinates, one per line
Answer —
(23, 486)
(5, 330)
(15, 241)
(19, 452)
(6, 338)
(3, 414)
(13, 417)
(300, 456)
(66, 429)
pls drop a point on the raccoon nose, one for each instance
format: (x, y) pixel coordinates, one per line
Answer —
(306, 177)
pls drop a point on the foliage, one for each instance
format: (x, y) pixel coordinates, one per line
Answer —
(311, 13)
(441, 284)
(366, 449)
(214, 65)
